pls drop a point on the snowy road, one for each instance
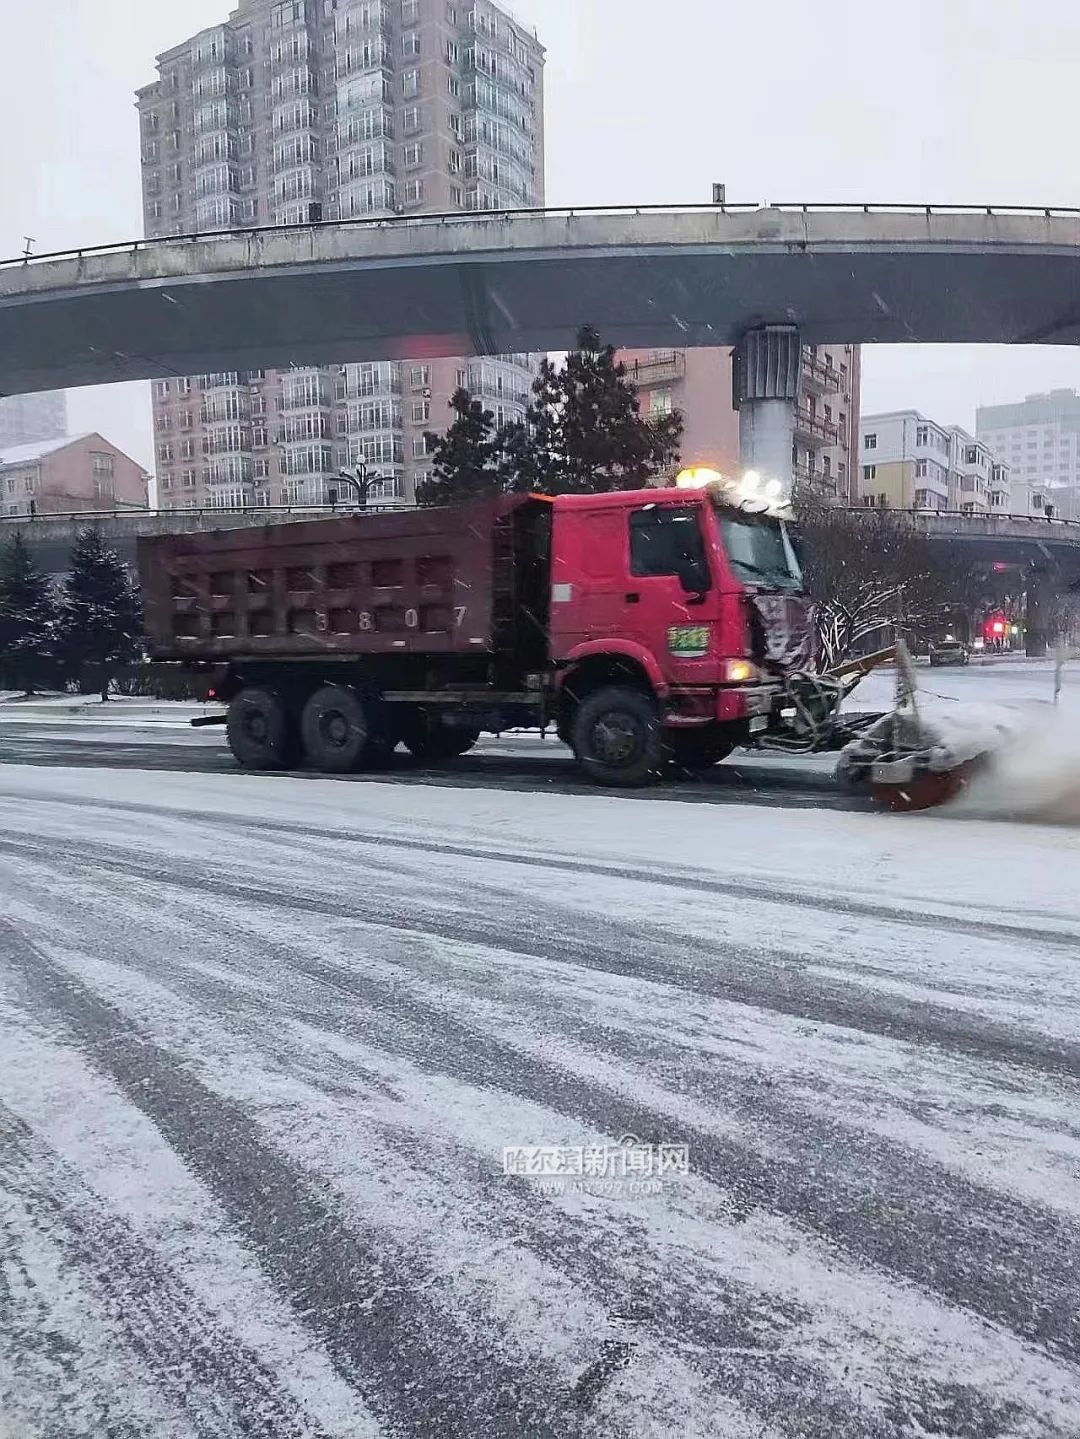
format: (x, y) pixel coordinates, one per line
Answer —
(522, 762)
(263, 1042)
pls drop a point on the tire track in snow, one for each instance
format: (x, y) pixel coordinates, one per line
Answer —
(978, 1248)
(223, 1387)
(765, 981)
(837, 903)
(887, 1205)
(414, 1367)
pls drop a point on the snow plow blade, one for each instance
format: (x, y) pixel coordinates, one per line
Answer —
(915, 759)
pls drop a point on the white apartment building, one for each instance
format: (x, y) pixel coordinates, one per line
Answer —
(908, 461)
(1039, 438)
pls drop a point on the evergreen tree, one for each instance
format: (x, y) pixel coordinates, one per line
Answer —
(466, 456)
(100, 608)
(27, 617)
(584, 432)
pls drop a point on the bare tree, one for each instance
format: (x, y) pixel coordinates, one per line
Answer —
(872, 573)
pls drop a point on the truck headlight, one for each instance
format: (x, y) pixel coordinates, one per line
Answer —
(739, 672)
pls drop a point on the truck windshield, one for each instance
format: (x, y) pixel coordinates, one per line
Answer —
(759, 551)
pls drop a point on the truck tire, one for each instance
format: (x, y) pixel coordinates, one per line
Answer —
(334, 729)
(260, 730)
(697, 749)
(425, 740)
(617, 736)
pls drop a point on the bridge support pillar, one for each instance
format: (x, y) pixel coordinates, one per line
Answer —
(1038, 597)
(766, 373)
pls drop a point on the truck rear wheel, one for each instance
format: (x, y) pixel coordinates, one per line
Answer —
(260, 730)
(334, 729)
(617, 736)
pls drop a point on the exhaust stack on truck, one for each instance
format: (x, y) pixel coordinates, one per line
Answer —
(644, 625)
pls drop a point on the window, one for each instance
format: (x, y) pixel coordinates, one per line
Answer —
(870, 442)
(664, 539)
(462, 379)
(421, 412)
(456, 196)
(410, 43)
(419, 447)
(920, 469)
(414, 191)
(409, 9)
(660, 403)
(410, 120)
(869, 472)
(165, 454)
(414, 155)
(453, 86)
(419, 377)
(410, 83)
(452, 53)
(971, 455)
(453, 161)
(457, 124)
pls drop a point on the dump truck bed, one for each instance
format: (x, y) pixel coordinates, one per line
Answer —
(438, 581)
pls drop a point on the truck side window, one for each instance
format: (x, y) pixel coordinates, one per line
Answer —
(664, 538)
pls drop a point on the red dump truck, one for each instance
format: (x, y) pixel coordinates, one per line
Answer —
(643, 625)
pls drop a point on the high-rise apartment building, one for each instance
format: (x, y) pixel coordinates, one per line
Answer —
(699, 383)
(294, 111)
(33, 419)
(1039, 438)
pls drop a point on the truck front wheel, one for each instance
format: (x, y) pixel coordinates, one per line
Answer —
(334, 728)
(259, 730)
(617, 736)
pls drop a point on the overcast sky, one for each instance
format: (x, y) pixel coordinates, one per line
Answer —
(947, 101)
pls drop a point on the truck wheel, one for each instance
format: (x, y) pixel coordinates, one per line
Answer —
(334, 729)
(260, 731)
(617, 736)
(695, 750)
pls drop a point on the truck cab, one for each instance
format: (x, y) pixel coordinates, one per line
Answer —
(675, 617)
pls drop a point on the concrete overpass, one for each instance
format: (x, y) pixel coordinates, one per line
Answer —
(1031, 544)
(448, 285)
(50, 537)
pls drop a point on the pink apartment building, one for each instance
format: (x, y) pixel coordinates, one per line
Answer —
(78, 473)
(699, 383)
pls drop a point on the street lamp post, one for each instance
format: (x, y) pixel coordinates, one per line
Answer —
(362, 483)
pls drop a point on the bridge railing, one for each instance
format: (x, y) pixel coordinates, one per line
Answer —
(965, 515)
(210, 512)
(413, 222)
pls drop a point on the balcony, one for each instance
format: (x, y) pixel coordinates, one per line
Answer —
(819, 376)
(807, 478)
(663, 369)
(813, 431)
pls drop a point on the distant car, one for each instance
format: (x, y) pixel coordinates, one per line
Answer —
(948, 651)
